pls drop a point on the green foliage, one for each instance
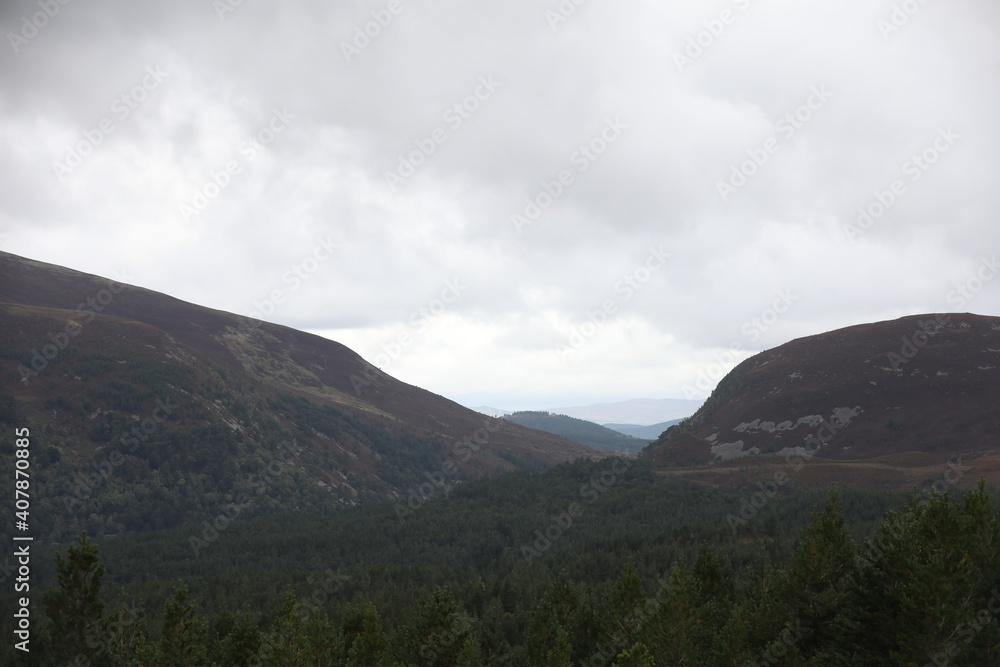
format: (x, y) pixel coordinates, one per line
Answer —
(163, 379)
(925, 579)
(183, 640)
(366, 642)
(234, 640)
(450, 587)
(578, 430)
(75, 610)
(123, 395)
(93, 365)
(10, 410)
(823, 569)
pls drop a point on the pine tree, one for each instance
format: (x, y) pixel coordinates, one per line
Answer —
(924, 580)
(823, 569)
(675, 620)
(625, 605)
(184, 642)
(471, 656)
(367, 644)
(286, 643)
(126, 633)
(715, 586)
(438, 631)
(323, 640)
(235, 640)
(77, 625)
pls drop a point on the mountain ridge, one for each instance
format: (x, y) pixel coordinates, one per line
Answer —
(84, 359)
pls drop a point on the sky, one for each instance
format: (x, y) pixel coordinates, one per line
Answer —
(517, 204)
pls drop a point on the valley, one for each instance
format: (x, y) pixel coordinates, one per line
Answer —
(214, 490)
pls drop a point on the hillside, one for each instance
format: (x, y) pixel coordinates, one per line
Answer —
(579, 430)
(887, 404)
(147, 411)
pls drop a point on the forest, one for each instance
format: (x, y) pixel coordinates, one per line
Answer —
(579, 430)
(589, 563)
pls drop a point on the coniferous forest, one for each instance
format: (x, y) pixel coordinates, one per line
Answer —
(589, 563)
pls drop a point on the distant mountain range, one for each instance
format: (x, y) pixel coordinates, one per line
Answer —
(640, 411)
(147, 411)
(637, 412)
(580, 430)
(897, 404)
(645, 432)
(651, 432)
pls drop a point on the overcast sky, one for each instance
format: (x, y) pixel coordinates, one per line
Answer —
(509, 203)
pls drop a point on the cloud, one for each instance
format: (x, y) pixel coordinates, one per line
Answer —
(483, 108)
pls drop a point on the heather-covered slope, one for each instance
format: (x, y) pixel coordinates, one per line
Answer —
(890, 402)
(148, 411)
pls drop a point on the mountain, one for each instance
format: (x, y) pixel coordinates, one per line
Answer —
(147, 411)
(579, 430)
(895, 404)
(651, 432)
(642, 411)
